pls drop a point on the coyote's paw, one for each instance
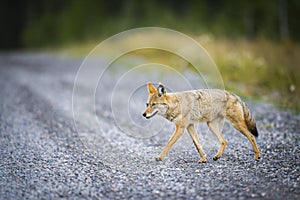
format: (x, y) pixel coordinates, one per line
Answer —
(257, 157)
(158, 159)
(216, 157)
(202, 160)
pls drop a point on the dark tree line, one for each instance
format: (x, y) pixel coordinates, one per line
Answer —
(47, 22)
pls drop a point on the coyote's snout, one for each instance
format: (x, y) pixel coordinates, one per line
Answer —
(208, 105)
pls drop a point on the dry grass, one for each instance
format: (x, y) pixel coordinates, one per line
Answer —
(261, 68)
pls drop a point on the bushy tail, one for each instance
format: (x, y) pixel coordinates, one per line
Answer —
(249, 120)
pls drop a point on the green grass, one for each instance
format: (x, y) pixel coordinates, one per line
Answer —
(259, 69)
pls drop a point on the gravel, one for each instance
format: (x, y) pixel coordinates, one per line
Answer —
(44, 156)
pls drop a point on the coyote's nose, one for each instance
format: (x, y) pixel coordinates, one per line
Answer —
(144, 114)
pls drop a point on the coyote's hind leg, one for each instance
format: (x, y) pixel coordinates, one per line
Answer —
(243, 129)
(216, 126)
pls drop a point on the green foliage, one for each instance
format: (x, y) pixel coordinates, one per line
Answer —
(260, 69)
(60, 22)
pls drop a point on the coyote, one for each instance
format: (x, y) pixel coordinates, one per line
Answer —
(206, 105)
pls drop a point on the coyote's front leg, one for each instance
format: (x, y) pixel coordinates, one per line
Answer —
(177, 133)
(194, 136)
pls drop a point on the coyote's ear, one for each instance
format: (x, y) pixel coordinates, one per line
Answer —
(151, 88)
(161, 90)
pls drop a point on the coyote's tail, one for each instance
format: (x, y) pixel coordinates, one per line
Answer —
(249, 120)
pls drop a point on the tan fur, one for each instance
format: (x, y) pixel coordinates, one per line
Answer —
(212, 106)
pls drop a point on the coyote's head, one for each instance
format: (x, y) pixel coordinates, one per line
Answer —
(157, 101)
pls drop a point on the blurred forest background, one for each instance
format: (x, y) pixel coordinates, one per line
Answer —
(255, 43)
(29, 23)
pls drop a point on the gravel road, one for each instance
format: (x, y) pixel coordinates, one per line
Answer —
(44, 156)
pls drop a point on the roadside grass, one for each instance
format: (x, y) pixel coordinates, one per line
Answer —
(261, 69)
(258, 69)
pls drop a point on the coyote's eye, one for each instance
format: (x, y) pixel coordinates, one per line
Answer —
(153, 104)
(147, 104)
